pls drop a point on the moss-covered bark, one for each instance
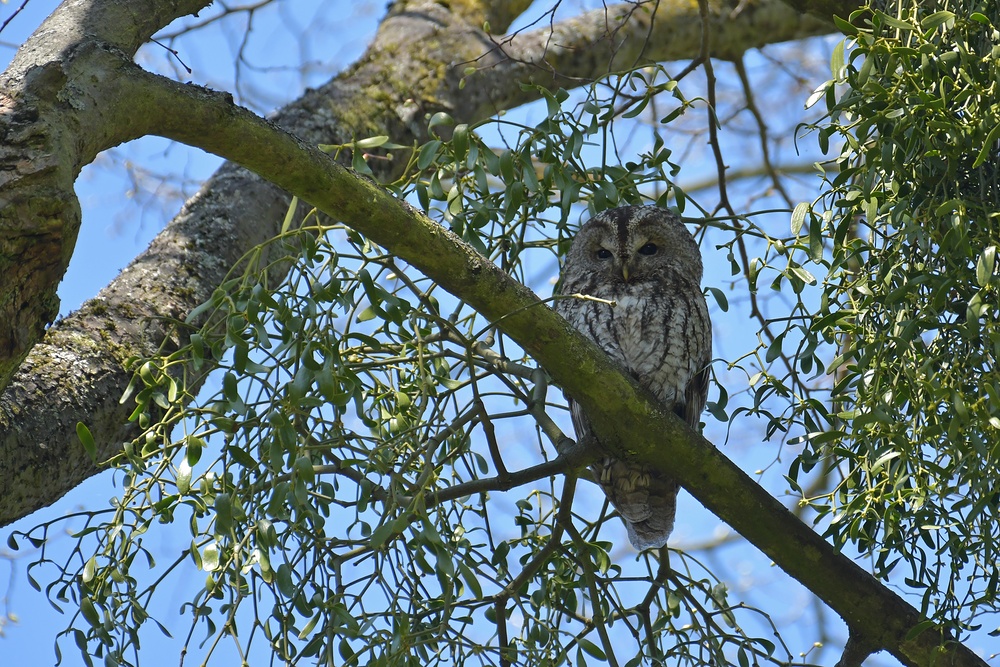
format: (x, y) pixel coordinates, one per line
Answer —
(52, 125)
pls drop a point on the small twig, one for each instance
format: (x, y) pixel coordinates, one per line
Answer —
(588, 572)
(174, 53)
(549, 428)
(713, 117)
(752, 172)
(10, 18)
(762, 132)
(212, 19)
(555, 540)
(486, 423)
(584, 297)
(571, 459)
(720, 164)
(529, 570)
(491, 436)
(654, 589)
(500, 609)
(661, 576)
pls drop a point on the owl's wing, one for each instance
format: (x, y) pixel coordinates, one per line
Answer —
(695, 396)
(580, 422)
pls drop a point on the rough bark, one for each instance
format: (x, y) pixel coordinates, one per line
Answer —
(52, 125)
(77, 373)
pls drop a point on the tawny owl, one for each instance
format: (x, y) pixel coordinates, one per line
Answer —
(644, 260)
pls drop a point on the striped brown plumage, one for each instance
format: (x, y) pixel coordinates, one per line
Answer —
(644, 260)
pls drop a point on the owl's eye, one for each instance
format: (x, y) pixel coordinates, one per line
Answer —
(648, 249)
(603, 253)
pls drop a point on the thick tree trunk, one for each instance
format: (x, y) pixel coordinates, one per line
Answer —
(51, 127)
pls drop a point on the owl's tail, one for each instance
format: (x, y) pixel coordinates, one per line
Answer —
(646, 500)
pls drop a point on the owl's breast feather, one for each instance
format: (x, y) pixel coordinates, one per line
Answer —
(649, 345)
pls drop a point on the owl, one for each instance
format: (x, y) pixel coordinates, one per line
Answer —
(645, 262)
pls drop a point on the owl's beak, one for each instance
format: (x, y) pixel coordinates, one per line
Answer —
(625, 271)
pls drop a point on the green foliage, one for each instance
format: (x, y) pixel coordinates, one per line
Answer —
(352, 451)
(910, 228)
(340, 475)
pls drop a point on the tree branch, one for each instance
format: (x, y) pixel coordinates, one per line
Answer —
(576, 456)
(627, 35)
(73, 58)
(51, 127)
(625, 418)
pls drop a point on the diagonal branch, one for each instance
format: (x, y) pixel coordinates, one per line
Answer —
(622, 414)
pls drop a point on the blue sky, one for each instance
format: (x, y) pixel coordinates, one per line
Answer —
(125, 203)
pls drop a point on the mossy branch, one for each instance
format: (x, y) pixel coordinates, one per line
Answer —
(625, 417)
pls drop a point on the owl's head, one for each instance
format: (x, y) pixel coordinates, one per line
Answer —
(636, 244)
